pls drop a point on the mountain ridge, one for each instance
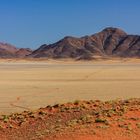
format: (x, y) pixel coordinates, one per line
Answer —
(110, 42)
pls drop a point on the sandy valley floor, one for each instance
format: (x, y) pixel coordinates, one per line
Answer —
(29, 85)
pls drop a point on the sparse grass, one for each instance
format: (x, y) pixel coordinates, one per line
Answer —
(56, 105)
(100, 120)
(134, 118)
(42, 112)
(138, 125)
(102, 126)
(86, 118)
(76, 102)
(126, 126)
(5, 118)
(71, 123)
(70, 116)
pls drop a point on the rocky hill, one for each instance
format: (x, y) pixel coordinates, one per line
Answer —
(23, 52)
(108, 42)
(10, 51)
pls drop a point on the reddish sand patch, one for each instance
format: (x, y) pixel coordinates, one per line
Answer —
(81, 120)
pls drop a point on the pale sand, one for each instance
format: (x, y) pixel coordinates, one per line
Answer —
(33, 84)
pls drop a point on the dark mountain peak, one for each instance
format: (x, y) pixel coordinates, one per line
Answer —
(69, 39)
(42, 46)
(113, 30)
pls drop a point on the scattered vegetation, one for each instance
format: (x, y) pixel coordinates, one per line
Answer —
(71, 116)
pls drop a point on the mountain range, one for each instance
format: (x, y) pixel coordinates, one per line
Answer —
(110, 42)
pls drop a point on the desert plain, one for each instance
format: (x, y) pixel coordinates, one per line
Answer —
(28, 84)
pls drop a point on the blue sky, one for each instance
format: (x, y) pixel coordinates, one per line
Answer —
(31, 23)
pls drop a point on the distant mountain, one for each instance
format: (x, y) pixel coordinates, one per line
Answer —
(10, 51)
(23, 52)
(7, 50)
(108, 42)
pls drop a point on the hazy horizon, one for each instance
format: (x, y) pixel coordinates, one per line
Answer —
(31, 23)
